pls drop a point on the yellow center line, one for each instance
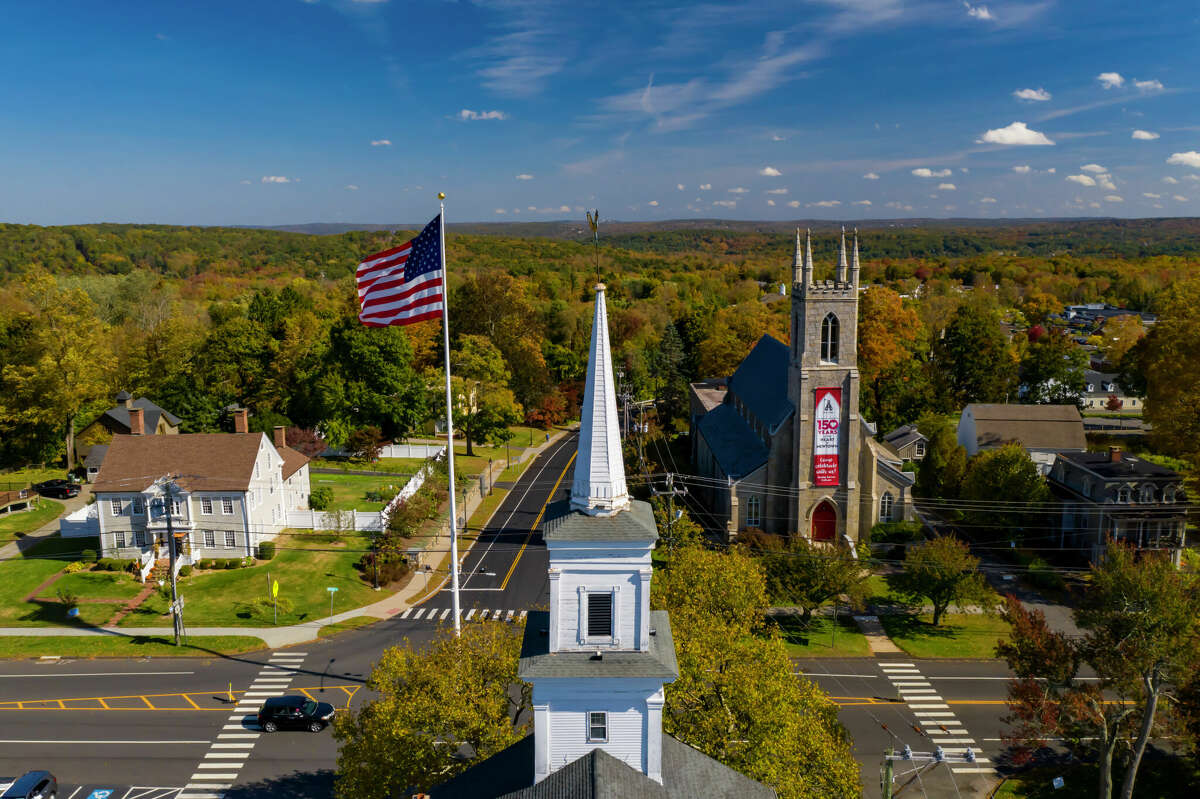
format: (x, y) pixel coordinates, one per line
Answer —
(536, 522)
(148, 702)
(190, 702)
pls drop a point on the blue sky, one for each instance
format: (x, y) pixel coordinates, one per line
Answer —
(288, 111)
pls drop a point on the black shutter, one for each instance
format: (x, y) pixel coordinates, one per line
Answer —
(599, 611)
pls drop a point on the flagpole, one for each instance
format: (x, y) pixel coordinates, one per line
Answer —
(449, 415)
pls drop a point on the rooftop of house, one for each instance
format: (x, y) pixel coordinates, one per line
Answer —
(150, 413)
(636, 523)
(686, 773)
(903, 436)
(201, 461)
(710, 393)
(538, 662)
(95, 456)
(1034, 427)
(1103, 464)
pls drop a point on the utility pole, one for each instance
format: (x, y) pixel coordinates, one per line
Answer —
(168, 486)
(670, 492)
(888, 773)
(921, 761)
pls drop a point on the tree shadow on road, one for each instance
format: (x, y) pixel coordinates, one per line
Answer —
(297, 785)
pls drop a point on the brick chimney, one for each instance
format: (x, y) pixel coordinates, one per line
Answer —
(241, 421)
(137, 422)
(1114, 454)
(280, 439)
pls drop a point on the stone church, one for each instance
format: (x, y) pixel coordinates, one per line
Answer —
(779, 444)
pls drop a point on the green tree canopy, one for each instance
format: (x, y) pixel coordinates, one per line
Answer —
(974, 359)
(1004, 493)
(944, 572)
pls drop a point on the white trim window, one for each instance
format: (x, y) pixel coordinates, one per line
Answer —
(230, 539)
(206, 505)
(919, 449)
(753, 511)
(210, 539)
(227, 506)
(119, 539)
(115, 504)
(1124, 495)
(138, 506)
(597, 730)
(886, 503)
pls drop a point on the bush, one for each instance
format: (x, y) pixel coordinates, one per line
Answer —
(266, 550)
(89, 555)
(390, 569)
(109, 564)
(75, 566)
(132, 566)
(1042, 575)
(896, 532)
(185, 571)
(320, 498)
(230, 563)
(67, 598)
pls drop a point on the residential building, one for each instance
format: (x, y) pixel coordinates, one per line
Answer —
(907, 442)
(1101, 388)
(233, 491)
(1042, 430)
(599, 658)
(128, 417)
(784, 448)
(1114, 496)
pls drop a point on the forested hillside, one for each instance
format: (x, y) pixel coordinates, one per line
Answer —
(201, 318)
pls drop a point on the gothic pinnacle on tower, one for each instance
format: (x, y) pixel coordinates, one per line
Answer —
(841, 264)
(808, 263)
(854, 262)
(797, 262)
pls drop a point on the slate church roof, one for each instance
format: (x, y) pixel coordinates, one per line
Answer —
(687, 773)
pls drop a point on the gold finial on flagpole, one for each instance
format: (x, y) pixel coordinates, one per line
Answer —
(441, 195)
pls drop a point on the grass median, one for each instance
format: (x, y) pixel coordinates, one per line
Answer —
(108, 646)
(821, 637)
(960, 635)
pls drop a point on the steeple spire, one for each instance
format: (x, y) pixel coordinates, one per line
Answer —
(807, 269)
(598, 487)
(854, 262)
(841, 264)
(797, 262)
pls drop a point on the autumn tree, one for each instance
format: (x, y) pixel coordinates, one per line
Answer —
(1038, 307)
(1003, 490)
(973, 359)
(1052, 369)
(801, 574)
(1161, 361)
(484, 405)
(433, 711)
(1119, 335)
(944, 572)
(733, 333)
(1141, 625)
(889, 337)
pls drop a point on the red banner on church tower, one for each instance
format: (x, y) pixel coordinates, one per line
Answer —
(827, 421)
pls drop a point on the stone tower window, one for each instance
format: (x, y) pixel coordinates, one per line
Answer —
(753, 512)
(829, 339)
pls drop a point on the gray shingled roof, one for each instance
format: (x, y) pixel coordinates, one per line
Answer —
(735, 446)
(537, 662)
(634, 524)
(687, 773)
(1041, 427)
(903, 436)
(150, 414)
(95, 456)
(761, 382)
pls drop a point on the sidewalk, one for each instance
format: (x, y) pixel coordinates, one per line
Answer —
(275, 637)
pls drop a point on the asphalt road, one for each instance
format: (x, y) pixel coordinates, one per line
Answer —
(171, 729)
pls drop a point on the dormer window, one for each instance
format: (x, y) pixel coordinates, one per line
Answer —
(600, 615)
(1169, 495)
(1124, 495)
(829, 339)
(1147, 494)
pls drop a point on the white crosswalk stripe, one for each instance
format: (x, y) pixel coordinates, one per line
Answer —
(445, 613)
(470, 613)
(406, 613)
(467, 614)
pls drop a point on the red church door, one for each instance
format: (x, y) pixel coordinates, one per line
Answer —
(824, 523)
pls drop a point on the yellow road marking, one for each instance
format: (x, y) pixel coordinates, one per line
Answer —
(101, 702)
(189, 699)
(149, 704)
(537, 521)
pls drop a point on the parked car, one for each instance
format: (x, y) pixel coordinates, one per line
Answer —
(59, 489)
(296, 713)
(30, 785)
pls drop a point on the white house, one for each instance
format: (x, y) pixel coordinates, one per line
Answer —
(230, 492)
(1042, 430)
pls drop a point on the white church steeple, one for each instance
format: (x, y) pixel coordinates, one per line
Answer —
(598, 487)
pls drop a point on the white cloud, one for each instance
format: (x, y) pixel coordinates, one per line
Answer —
(1105, 182)
(987, 199)
(1093, 205)
(245, 183)
(467, 115)
(1167, 179)
(564, 209)
(351, 187)
(1179, 198)
(825, 204)
(978, 12)
(1022, 169)
(705, 186)
(739, 190)
(1191, 177)
(1095, 168)
(861, 202)
(381, 143)
(1113, 198)
(1018, 134)
(1151, 195)
(899, 205)
(1051, 171)
(275, 179)
(769, 172)
(726, 203)
(964, 170)
(771, 203)
(926, 172)
(680, 186)
(524, 176)
(531, 208)
(777, 137)
(1190, 158)
(652, 202)
(1082, 180)
(777, 191)
(501, 211)
(1148, 85)
(794, 204)
(1145, 135)
(947, 187)
(870, 176)
(1032, 95)
(1110, 80)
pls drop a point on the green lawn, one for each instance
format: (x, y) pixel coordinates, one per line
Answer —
(18, 523)
(819, 639)
(23, 477)
(127, 647)
(20, 577)
(231, 597)
(959, 635)
(348, 624)
(96, 585)
(880, 591)
(350, 489)
(400, 465)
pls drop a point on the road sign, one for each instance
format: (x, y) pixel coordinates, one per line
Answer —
(331, 589)
(275, 588)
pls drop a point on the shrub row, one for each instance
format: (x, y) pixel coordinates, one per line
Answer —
(116, 565)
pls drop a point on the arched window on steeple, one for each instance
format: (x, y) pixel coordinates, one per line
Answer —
(829, 339)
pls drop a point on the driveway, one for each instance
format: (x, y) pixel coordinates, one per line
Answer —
(15, 548)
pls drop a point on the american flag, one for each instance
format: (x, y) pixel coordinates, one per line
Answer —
(403, 285)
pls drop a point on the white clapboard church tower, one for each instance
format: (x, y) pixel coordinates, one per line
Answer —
(599, 659)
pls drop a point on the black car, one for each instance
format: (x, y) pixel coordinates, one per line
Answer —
(294, 712)
(59, 489)
(30, 785)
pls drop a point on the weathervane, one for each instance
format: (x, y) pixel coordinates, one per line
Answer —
(593, 217)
